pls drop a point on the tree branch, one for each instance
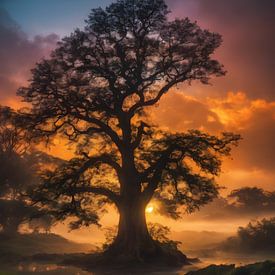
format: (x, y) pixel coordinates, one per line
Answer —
(99, 191)
(101, 159)
(105, 128)
(156, 169)
(153, 101)
(139, 135)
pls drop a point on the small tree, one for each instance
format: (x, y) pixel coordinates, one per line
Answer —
(13, 146)
(253, 198)
(257, 237)
(95, 90)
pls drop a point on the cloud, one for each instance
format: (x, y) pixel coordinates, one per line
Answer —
(245, 203)
(254, 119)
(248, 28)
(18, 55)
(179, 112)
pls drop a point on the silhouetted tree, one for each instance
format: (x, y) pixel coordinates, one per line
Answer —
(15, 174)
(95, 90)
(253, 198)
(42, 223)
(13, 145)
(12, 214)
(18, 173)
(256, 237)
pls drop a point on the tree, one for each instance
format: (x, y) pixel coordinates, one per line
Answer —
(13, 145)
(42, 222)
(256, 237)
(253, 198)
(19, 166)
(95, 91)
(12, 149)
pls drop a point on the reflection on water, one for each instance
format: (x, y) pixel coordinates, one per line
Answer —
(47, 269)
(52, 269)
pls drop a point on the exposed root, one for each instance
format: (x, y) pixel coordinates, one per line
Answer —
(114, 260)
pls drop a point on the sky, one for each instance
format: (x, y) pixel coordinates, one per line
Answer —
(243, 101)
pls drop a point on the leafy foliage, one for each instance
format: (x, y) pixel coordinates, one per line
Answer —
(19, 166)
(257, 236)
(253, 197)
(94, 91)
(160, 234)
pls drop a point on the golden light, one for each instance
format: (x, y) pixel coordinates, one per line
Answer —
(149, 209)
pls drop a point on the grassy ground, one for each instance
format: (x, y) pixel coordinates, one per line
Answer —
(264, 268)
(14, 248)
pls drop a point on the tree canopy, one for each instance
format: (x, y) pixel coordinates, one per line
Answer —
(254, 198)
(95, 91)
(256, 237)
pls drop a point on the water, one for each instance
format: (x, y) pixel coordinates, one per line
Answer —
(52, 269)
(37, 268)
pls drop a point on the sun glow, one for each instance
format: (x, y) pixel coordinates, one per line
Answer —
(149, 209)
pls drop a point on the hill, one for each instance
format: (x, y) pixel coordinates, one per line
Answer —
(31, 244)
(263, 268)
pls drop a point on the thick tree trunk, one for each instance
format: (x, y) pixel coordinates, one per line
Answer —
(134, 243)
(133, 239)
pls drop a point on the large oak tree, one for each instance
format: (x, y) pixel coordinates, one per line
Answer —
(96, 90)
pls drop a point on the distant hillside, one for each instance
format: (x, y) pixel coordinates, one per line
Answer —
(30, 244)
(264, 268)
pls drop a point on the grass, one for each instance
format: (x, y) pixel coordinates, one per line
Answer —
(14, 248)
(263, 268)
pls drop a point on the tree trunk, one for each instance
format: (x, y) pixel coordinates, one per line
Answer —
(133, 239)
(133, 242)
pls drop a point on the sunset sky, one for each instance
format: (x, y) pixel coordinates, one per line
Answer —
(243, 101)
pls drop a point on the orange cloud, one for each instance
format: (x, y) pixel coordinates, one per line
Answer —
(180, 112)
(254, 160)
(236, 111)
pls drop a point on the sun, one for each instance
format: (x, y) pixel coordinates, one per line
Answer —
(149, 209)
